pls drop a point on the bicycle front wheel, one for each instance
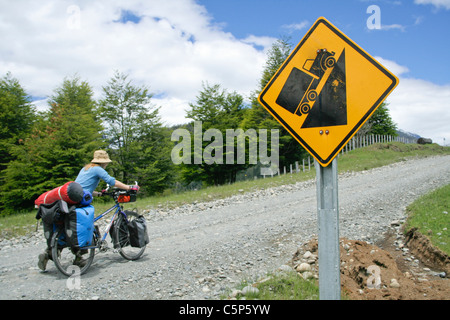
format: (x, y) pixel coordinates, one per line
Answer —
(121, 237)
(67, 260)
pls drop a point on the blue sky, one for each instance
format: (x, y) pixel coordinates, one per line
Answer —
(173, 46)
(413, 35)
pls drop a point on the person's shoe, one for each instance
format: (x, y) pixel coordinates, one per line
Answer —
(42, 261)
(79, 261)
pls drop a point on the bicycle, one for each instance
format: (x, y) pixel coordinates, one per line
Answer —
(117, 228)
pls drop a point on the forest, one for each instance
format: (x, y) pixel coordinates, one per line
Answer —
(41, 150)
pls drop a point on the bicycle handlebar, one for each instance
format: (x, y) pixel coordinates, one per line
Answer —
(116, 191)
(108, 186)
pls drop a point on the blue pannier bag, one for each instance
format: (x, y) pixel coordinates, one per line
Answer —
(79, 227)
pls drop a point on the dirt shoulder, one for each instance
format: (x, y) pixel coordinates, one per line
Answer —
(403, 271)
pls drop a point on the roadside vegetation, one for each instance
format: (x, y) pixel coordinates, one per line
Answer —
(278, 286)
(430, 215)
(357, 160)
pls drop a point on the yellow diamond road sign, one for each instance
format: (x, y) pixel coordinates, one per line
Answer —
(325, 90)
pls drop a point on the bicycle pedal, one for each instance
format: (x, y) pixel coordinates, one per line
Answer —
(104, 246)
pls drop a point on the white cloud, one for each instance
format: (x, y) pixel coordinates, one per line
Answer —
(437, 3)
(393, 26)
(419, 106)
(265, 42)
(172, 49)
(296, 26)
(172, 109)
(392, 66)
(422, 107)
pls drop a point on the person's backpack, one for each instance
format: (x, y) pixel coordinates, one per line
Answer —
(138, 232)
(79, 227)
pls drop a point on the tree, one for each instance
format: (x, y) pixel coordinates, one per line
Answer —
(216, 111)
(17, 116)
(381, 122)
(73, 114)
(258, 117)
(62, 141)
(137, 141)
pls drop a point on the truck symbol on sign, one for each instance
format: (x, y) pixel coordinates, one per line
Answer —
(303, 86)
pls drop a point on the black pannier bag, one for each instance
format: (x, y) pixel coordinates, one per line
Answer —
(52, 216)
(138, 232)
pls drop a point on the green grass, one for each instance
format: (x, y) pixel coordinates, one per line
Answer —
(221, 192)
(381, 154)
(430, 214)
(360, 159)
(17, 225)
(288, 286)
(283, 286)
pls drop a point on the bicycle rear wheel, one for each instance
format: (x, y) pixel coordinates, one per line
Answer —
(121, 237)
(65, 257)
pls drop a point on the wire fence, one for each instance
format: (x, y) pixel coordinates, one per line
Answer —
(355, 143)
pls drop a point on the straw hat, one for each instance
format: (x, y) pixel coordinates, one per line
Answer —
(101, 156)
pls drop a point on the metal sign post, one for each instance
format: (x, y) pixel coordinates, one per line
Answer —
(328, 222)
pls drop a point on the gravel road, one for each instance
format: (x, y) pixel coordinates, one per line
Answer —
(200, 250)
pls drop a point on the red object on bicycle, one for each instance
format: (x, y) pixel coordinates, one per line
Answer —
(71, 192)
(127, 197)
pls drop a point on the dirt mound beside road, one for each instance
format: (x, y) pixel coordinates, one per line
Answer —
(421, 247)
(362, 264)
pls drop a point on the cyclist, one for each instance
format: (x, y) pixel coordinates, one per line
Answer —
(89, 178)
(90, 175)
